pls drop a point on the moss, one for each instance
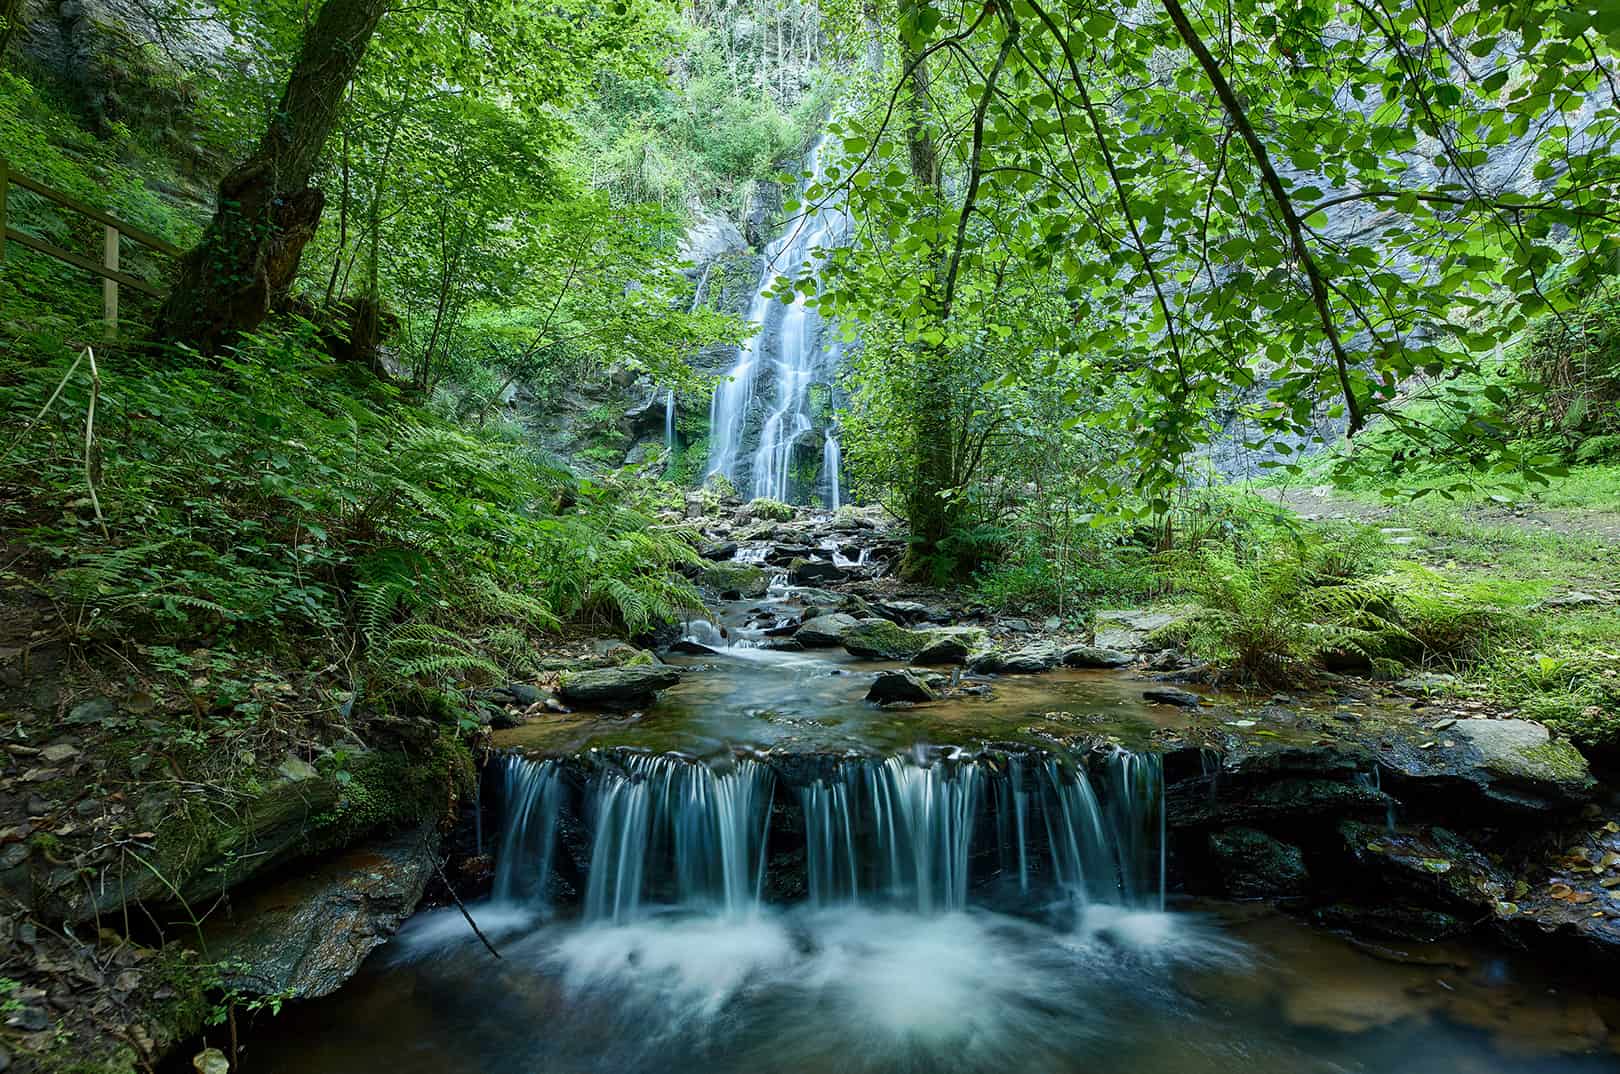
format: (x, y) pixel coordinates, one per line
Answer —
(747, 579)
(388, 788)
(880, 639)
(774, 510)
(1557, 758)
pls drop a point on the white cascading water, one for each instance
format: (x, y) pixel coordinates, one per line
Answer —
(832, 464)
(788, 340)
(886, 833)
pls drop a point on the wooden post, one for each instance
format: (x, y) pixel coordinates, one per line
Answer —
(109, 287)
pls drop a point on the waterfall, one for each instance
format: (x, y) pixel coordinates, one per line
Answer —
(533, 797)
(664, 831)
(788, 341)
(669, 419)
(708, 827)
(832, 464)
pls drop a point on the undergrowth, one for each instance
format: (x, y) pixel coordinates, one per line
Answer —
(278, 502)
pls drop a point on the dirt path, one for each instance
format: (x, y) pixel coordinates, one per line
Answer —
(1320, 502)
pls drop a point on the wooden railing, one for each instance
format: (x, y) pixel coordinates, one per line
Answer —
(114, 230)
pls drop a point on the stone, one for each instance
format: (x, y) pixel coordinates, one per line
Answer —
(951, 649)
(310, 933)
(825, 631)
(900, 686)
(525, 694)
(618, 686)
(296, 770)
(1253, 864)
(1522, 753)
(688, 647)
(744, 578)
(1130, 629)
(95, 710)
(815, 572)
(1429, 867)
(1028, 661)
(1018, 626)
(724, 550)
(1093, 656)
(1425, 683)
(1575, 598)
(879, 639)
(904, 612)
(1169, 695)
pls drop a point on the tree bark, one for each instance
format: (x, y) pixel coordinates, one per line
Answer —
(267, 210)
(11, 20)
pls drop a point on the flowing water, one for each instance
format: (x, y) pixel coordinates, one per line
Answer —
(764, 873)
(790, 351)
(891, 916)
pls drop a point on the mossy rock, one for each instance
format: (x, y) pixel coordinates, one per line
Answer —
(879, 639)
(744, 578)
(773, 510)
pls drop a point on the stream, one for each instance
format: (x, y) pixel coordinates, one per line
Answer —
(762, 871)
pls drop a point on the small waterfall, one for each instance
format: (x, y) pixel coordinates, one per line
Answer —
(787, 340)
(533, 797)
(669, 419)
(832, 465)
(662, 817)
(664, 831)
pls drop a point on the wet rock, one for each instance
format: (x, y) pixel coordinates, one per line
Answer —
(525, 694)
(743, 578)
(309, 934)
(1093, 656)
(815, 572)
(1430, 867)
(689, 647)
(825, 631)
(723, 550)
(879, 639)
(1018, 626)
(618, 686)
(1029, 661)
(1131, 630)
(900, 686)
(1170, 695)
(951, 649)
(783, 555)
(904, 612)
(1252, 864)
(1512, 766)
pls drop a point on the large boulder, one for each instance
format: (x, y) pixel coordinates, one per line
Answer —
(815, 572)
(900, 686)
(879, 639)
(1519, 761)
(949, 649)
(1094, 656)
(825, 631)
(618, 686)
(743, 578)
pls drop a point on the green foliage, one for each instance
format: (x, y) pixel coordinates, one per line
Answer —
(1271, 615)
(278, 495)
(770, 510)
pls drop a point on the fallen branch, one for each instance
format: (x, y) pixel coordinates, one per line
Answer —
(439, 868)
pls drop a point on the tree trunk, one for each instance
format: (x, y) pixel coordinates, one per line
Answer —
(11, 20)
(267, 211)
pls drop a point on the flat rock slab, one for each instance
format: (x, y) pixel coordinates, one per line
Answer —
(1169, 695)
(1094, 656)
(626, 685)
(309, 934)
(1128, 629)
(1521, 752)
(825, 631)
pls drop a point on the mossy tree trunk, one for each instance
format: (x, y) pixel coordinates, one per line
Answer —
(11, 20)
(267, 210)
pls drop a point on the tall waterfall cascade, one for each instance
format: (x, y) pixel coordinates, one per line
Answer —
(662, 831)
(762, 411)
